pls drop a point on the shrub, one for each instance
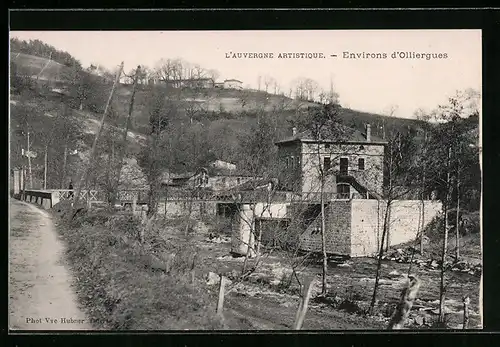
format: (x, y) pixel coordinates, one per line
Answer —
(118, 285)
(471, 222)
(127, 224)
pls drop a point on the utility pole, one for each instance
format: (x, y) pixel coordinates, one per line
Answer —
(457, 217)
(424, 167)
(49, 140)
(124, 140)
(45, 168)
(83, 178)
(47, 64)
(29, 161)
(65, 159)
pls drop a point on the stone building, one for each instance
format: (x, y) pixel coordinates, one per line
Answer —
(351, 165)
(233, 84)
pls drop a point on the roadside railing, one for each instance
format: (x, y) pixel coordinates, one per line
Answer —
(68, 194)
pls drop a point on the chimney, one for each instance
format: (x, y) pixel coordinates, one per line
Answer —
(294, 131)
(368, 133)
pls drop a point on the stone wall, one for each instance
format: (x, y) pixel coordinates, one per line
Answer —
(366, 228)
(338, 230)
(404, 223)
(353, 227)
(406, 215)
(312, 158)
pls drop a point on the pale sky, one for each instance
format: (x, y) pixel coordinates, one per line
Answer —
(370, 85)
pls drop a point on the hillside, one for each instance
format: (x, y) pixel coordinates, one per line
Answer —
(214, 104)
(30, 65)
(208, 103)
(205, 124)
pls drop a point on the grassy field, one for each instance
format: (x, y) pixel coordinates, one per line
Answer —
(31, 65)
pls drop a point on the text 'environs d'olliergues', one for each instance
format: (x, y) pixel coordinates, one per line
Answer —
(419, 55)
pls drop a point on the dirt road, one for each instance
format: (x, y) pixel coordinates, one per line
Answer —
(40, 293)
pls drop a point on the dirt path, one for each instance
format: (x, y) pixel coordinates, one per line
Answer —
(40, 292)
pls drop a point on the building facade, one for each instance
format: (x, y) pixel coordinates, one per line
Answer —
(233, 84)
(352, 166)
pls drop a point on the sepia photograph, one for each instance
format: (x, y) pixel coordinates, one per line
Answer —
(281, 180)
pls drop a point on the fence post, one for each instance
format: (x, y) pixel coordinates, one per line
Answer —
(222, 288)
(134, 205)
(405, 304)
(304, 301)
(466, 301)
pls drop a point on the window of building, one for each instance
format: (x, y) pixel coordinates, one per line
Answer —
(343, 191)
(327, 146)
(344, 166)
(361, 164)
(292, 161)
(327, 164)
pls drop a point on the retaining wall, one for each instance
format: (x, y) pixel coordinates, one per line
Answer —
(404, 223)
(354, 227)
(338, 226)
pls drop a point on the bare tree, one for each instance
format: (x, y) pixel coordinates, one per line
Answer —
(166, 70)
(306, 89)
(268, 81)
(199, 72)
(277, 88)
(213, 74)
(311, 89)
(448, 145)
(324, 124)
(84, 176)
(128, 122)
(400, 169)
(153, 159)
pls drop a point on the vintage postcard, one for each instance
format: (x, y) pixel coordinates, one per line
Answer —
(245, 180)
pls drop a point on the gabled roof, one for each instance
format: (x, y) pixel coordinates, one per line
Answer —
(233, 80)
(346, 135)
(256, 183)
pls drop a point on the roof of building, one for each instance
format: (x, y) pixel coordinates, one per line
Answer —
(256, 183)
(232, 80)
(192, 79)
(347, 135)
